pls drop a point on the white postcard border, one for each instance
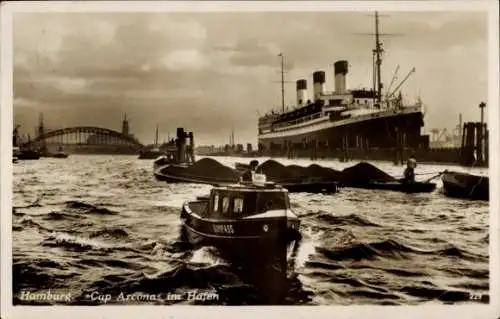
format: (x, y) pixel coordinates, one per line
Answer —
(422, 311)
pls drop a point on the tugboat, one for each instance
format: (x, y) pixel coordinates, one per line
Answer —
(22, 153)
(178, 154)
(168, 157)
(153, 153)
(250, 223)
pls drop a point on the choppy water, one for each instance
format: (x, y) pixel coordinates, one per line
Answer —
(103, 224)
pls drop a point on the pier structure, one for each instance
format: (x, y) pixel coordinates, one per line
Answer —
(474, 149)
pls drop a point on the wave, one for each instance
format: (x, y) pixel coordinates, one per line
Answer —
(323, 265)
(175, 280)
(346, 220)
(39, 274)
(390, 248)
(35, 203)
(471, 228)
(221, 280)
(59, 216)
(374, 294)
(29, 222)
(485, 239)
(16, 213)
(113, 263)
(457, 252)
(361, 251)
(89, 208)
(75, 243)
(444, 295)
(109, 232)
(468, 272)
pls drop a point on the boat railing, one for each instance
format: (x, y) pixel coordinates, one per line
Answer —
(299, 120)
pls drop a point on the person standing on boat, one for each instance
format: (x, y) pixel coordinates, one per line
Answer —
(409, 175)
(247, 176)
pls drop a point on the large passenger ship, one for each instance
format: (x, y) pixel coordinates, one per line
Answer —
(344, 119)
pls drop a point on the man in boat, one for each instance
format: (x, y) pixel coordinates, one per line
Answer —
(247, 176)
(409, 175)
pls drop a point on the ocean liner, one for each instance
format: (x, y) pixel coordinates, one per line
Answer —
(332, 122)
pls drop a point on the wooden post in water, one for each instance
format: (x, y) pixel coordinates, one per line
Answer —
(486, 145)
(481, 133)
(468, 144)
(479, 143)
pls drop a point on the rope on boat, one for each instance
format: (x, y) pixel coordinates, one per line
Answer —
(474, 187)
(435, 176)
(420, 174)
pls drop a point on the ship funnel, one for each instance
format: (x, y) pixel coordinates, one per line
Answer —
(301, 92)
(319, 83)
(340, 69)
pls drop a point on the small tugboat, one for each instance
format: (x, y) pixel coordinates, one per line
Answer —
(178, 155)
(20, 152)
(153, 153)
(168, 157)
(150, 154)
(249, 222)
(463, 185)
(28, 154)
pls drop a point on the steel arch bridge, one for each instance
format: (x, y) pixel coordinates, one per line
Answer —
(84, 137)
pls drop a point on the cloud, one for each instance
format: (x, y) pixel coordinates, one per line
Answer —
(212, 72)
(184, 59)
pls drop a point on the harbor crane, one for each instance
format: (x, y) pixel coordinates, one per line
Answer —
(402, 82)
(394, 77)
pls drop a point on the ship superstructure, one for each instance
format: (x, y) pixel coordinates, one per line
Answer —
(344, 118)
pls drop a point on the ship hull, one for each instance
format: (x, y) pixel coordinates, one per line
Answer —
(384, 132)
(180, 174)
(150, 155)
(417, 187)
(28, 155)
(467, 186)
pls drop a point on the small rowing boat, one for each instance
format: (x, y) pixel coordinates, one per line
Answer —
(464, 185)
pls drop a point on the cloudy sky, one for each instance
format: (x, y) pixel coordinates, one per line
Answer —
(212, 72)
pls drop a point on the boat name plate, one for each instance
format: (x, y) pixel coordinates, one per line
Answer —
(223, 229)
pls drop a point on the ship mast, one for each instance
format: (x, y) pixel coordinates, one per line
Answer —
(282, 82)
(378, 60)
(156, 137)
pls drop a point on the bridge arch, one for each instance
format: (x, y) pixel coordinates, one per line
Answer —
(84, 133)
